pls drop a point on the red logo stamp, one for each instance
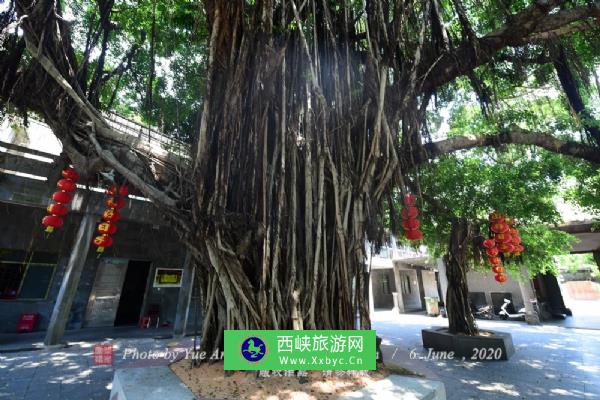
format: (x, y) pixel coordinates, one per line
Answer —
(103, 354)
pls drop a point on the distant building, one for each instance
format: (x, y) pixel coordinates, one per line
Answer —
(60, 277)
(403, 277)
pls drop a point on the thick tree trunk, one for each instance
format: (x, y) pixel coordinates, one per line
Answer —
(280, 218)
(460, 317)
(298, 144)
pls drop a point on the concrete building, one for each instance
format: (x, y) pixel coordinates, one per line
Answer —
(60, 277)
(403, 277)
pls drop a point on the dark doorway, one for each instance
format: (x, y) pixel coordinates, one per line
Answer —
(132, 295)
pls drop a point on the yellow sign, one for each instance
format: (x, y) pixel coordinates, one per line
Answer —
(168, 277)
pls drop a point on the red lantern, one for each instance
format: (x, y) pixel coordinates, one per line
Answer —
(111, 215)
(107, 228)
(410, 200)
(489, 243)
(499, 227)
(516, 240)
(66, 185)
(498, 269)
(514, 232)
(414, 234)
(51, 222)
(495, 260)
(502, 237)
(506, 247)
(495, 217)
(112, 190)
(115, 202)
(118, 190)
(57, 209)
(500, 278)
(409, 212)
(411, 224)
(123, 191)
(492, 252)
(102, 242)
(62, 197)
(70, 173)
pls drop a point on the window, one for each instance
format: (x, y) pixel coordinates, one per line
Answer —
(25, 275)
(385, 284)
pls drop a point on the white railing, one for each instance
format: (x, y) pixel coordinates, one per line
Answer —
(408, 252)
(147, 135)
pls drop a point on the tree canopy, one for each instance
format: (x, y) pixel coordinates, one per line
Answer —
(306, 118)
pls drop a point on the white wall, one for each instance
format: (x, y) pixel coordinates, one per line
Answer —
(36, 136)
(485, 282)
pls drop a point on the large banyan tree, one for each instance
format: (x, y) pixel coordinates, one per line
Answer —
(313, 118)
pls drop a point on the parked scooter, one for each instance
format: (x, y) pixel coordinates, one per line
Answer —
(484, 312)
(443, 312)
(506, 315)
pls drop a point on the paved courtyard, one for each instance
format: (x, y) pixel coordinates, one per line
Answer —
(71, 373)
(551, 362)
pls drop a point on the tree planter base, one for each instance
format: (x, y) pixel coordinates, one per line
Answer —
(148, 383)
(494, 347)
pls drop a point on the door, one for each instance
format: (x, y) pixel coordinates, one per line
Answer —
(409, 287)
(132, 295)
(106, 292)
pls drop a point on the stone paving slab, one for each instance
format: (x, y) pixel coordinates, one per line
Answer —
(400, 388)
(70, 373)
(550, 362)
(155, 383)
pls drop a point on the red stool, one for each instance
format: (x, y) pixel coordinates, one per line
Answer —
(144, 322)
(27, 322)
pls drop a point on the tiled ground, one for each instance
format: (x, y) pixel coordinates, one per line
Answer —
(71, 373)
(550, 362)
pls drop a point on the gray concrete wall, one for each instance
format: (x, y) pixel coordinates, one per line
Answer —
(380, 298)
(135, 241)
(485, 282)
(35, 193)
(586, 242)
(430, 284)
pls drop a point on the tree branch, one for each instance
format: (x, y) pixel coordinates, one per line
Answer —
(531, 24)
(123, 66)
(515, 136)
(149, 191)
(566, 21)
